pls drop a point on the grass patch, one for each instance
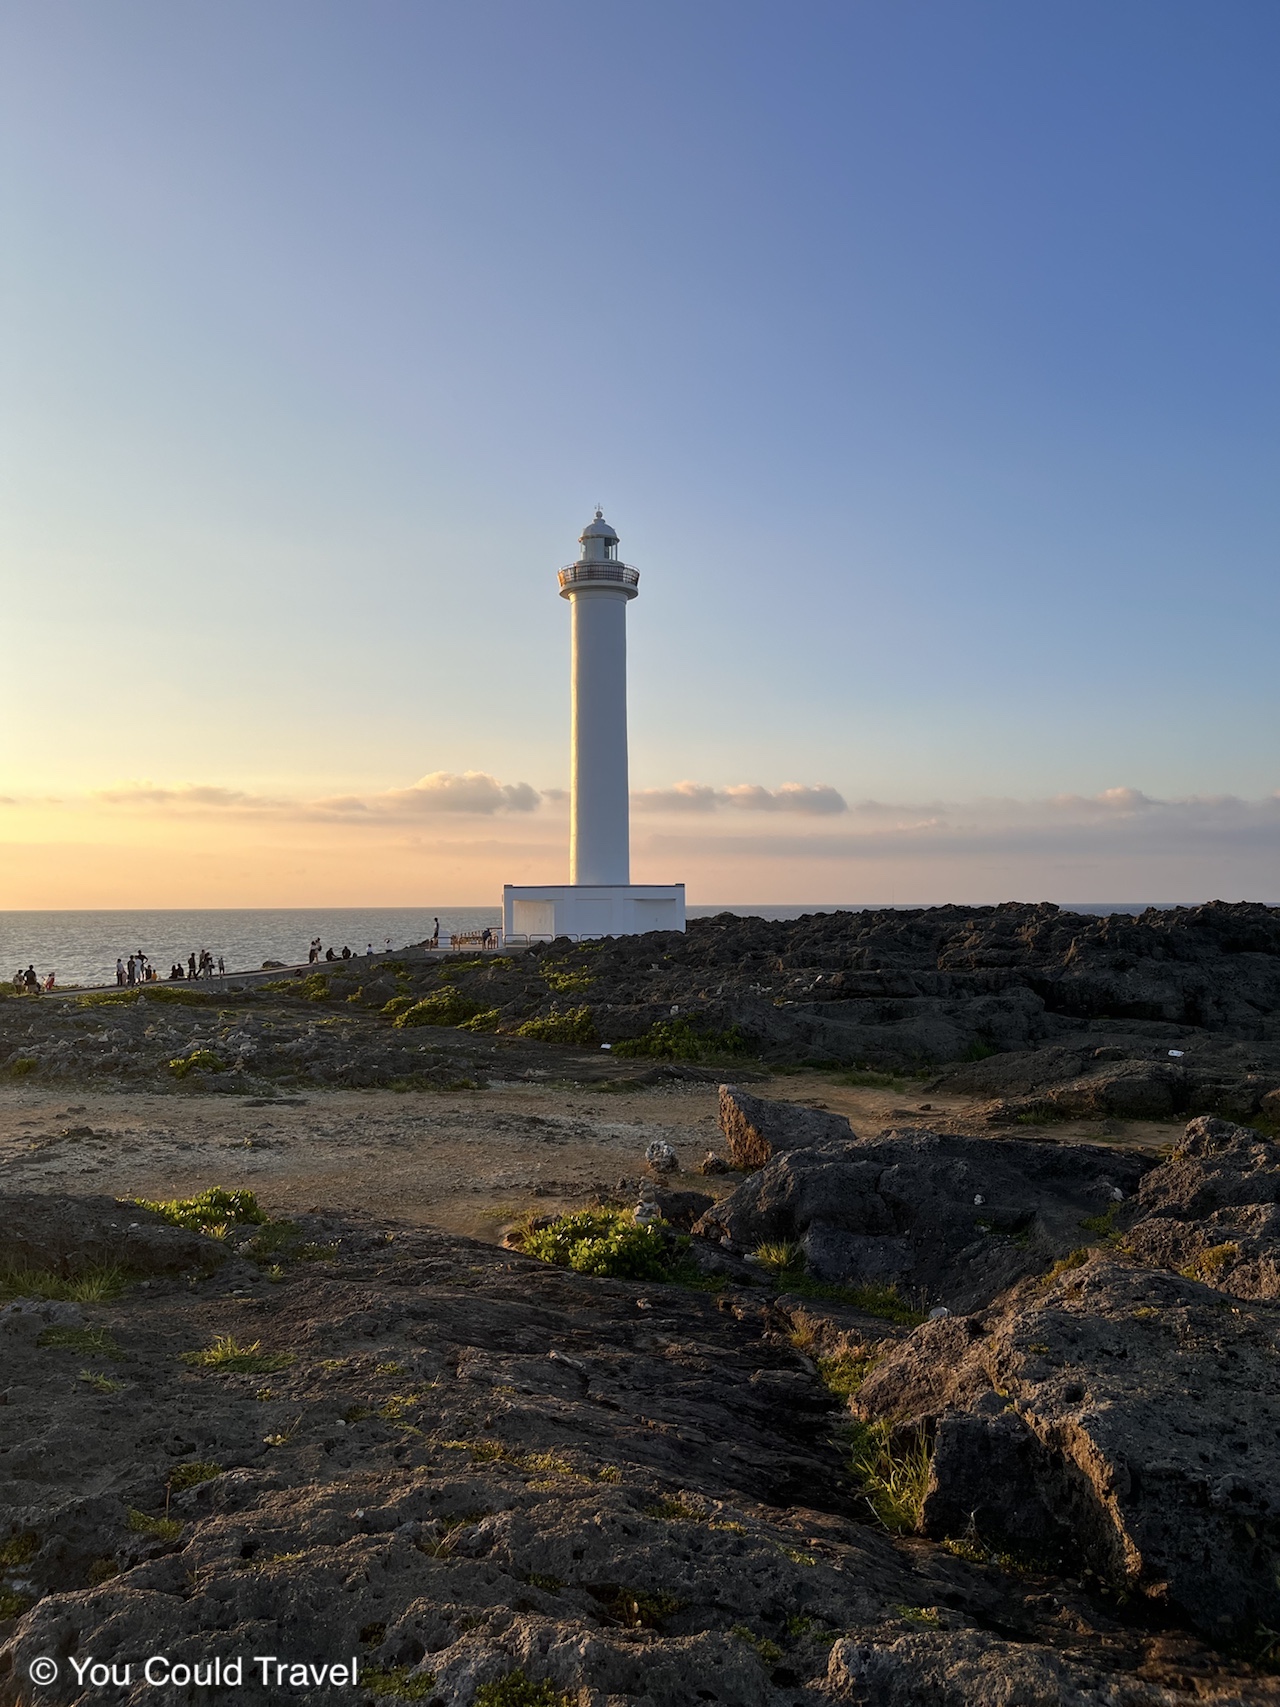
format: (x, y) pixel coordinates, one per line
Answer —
(893, 1481)
(673, 1509)
(100, 1383)
(226, 1354)
(676, 1040)
(20, 1066)
(868, 1078)
(95, 1342)
(1103, 1225)
(12, 1604)
(402, 1681)
(636, 1608)
(1209, 1265)
(199, 1061)
(20, 1549)
(785, 1262)
(770, 1653)
(95, 1285)
(158, 1528)
(486, 1020)
(843, 1373)
(208, 1209)
(516, 1689)
(191, 1475)
(573, 1026)
(606, 1242)
(1073, 1259)
(149, 992)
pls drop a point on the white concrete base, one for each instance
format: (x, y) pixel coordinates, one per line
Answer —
(532, 912)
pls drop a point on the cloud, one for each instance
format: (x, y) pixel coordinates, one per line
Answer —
(817, 800)
(1119, 820)
(471, 792)
(474, 792)
(185, 794)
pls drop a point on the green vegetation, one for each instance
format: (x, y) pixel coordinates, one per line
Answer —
(518, 1690)
(190, 1475)
(636, 1608)
(1104, 1225)
(486, 1020)
(979, 1051)
(199, 1061)
(100, 1383)
(567, 983)
(867, 1078)
(12, 1604)
(94, 1286)
(603, 1242)
(843, 1373)
(401, 1681)
(1073, 1259)
(672, 1508)
(441, 1007)
(575, 1026)
(93, 1342)
(20, 1066)
(770, 1653)
(19, 1549)
(893, 1481)
(159, 1528)
(149, 992)
(215, 1207)
(225, 1354)
(786, 1264)
(676, 1040)
(397, 1005)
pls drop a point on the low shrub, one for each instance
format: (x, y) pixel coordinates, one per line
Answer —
(20, 1066)
(676, 1040)
(442, 1007)
(576, 1026)
(199, 1061)
(207, 1209)
(606, 1242)
(403, 1682)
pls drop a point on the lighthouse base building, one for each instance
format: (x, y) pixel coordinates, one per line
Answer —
(600, 898)
(591, 909)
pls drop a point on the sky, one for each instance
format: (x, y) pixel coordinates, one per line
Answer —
(923, 353)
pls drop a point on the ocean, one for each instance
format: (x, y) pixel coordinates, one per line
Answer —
(81, 947)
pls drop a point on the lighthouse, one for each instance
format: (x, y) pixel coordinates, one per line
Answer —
(599, 899)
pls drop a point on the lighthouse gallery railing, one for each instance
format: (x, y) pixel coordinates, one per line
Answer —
(618, 573)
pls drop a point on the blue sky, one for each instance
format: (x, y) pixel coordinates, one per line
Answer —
(924, 355)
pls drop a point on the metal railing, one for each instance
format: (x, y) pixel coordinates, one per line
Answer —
(620, 574)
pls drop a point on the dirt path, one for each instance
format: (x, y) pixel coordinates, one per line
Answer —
(468, 1161)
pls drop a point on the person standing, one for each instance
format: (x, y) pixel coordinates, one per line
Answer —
(191, 964)
(222, 967)
(119, 970)
(131, 972)
(435, 935)
(31, 980)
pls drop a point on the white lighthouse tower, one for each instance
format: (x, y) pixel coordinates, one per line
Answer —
(599, 899)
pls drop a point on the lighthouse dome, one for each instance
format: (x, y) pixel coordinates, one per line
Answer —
(598, 528)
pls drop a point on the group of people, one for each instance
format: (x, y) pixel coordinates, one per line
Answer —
(139, 970)
(30, 983)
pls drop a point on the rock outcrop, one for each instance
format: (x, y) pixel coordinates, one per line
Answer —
(757, 1128)
(1119, 1419)
(945, 1219)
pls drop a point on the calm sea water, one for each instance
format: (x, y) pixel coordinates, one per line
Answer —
(81, 947)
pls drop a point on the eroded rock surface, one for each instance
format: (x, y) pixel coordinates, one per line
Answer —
(452, 1460)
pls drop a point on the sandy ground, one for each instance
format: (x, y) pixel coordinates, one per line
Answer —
(469, 1161)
